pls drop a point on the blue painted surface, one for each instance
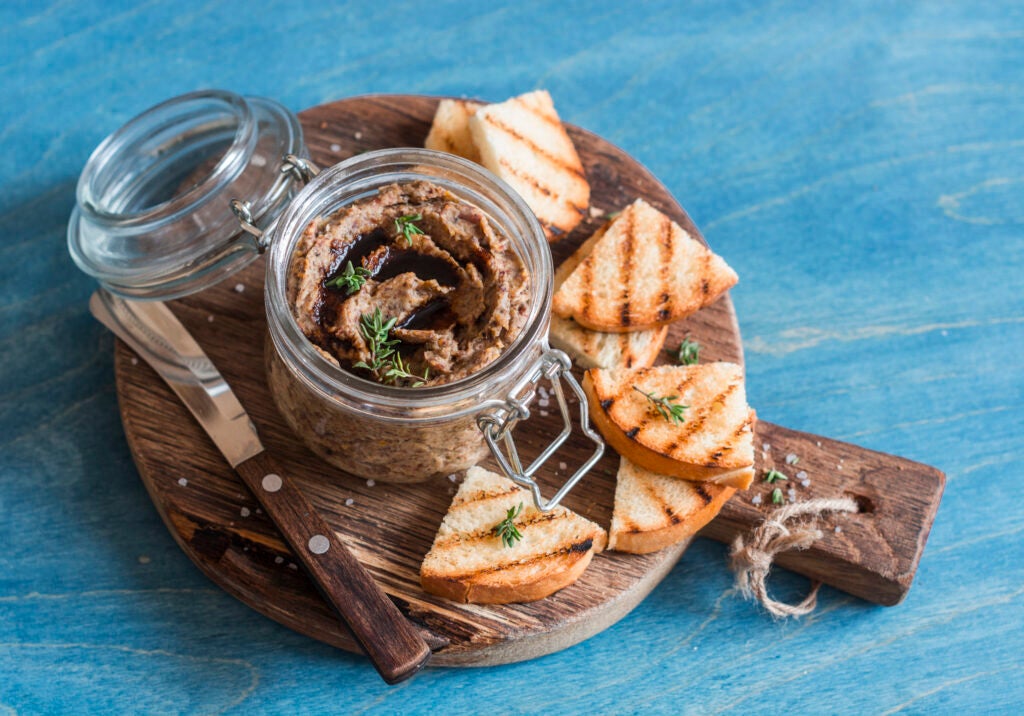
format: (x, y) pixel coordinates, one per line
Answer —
(859, 164)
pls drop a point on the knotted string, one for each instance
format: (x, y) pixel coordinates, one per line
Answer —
(751, 555)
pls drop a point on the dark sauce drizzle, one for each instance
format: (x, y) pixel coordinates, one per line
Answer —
(385, 264)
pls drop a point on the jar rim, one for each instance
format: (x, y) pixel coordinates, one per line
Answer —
(116, 145)
(430, 402)
(124, 230)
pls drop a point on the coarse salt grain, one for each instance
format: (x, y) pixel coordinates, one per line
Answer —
(792, 459)
(453, 477)
(278, 560)
(755, 500)
(244, 512)
(335, 147)
(182, 481)
(209, 319)
(805, 483)
(349, 502)
(542, 392)
(371, 482)
(292, 565)
(543, 413)
(358, 135)
(135, 361)
(802, 475)
(562, 466)
(838, 529)
(239, 288)
(766, 447)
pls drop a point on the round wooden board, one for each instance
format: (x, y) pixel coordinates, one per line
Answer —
(216, 521)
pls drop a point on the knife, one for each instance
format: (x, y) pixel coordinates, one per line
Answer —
(394, 646)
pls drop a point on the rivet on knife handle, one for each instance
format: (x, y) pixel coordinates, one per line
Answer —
(387, 637)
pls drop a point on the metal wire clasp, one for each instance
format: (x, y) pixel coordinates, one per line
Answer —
(497, 427)
(299, 169)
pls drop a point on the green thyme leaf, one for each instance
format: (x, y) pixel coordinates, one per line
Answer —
(351, 279)
(666, 407)
(385, 362)
(405, 226)
(773, 476)
(777, 496)
(688, 352)
(507, 530)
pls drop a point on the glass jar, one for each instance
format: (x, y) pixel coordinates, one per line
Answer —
(173, 202)
(153, 218)
(402, 434)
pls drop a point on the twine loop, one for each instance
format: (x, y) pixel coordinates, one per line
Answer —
(752, 554)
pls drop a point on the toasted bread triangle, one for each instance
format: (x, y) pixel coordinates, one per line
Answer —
(450, 129)
(713, 442)
(639, 271)
(469, 563)
(654, 511)
(596, 349)
(522, 140)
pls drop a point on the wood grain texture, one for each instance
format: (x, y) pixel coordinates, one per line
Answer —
(394, 646)
(875, 557)
(388, 527)
(859, 164)
(872, 554)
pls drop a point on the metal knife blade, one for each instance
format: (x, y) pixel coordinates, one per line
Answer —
(159, 338)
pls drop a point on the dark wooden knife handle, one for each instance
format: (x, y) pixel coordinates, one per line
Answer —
(872, 554)
(394, 646)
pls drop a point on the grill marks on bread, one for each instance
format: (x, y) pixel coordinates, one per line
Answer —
(469, 563)
(522, 140)
(640, 271)
(654, 511)
(713, 443)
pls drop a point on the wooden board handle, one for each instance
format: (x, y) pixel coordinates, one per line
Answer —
(394, 646)
(875, 552)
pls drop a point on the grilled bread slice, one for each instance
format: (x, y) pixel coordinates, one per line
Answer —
(644, 271)
(522, 140)
(450, 130)
(469, 562)
(654, 511)
(714, 441)
(594, 349)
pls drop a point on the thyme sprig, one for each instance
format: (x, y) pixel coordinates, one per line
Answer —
(666, 406)
(385, 363)
(688, 352)
(777, 496)
(507, 530)
(405, 226)
(351, 279)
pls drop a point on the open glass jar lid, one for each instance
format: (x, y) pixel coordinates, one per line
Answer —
(153, 217)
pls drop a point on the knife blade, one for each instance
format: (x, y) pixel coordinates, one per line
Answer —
(394, 646)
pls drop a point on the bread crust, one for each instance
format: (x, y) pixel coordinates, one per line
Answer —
(469, 563)
(481, 589)
(733, 475)
(639, 271)
(679, 520)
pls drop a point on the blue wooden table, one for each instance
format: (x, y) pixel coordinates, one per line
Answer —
(860, 164)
